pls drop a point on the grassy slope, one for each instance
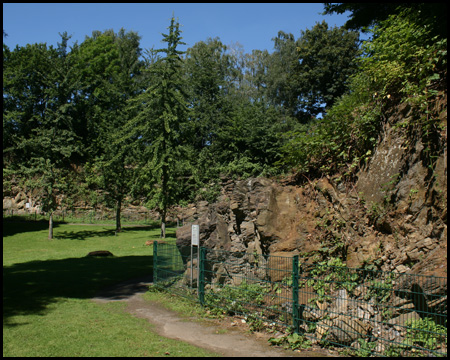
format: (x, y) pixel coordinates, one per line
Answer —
(47, 286)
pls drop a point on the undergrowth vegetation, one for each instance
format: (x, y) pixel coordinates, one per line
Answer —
(402, 63)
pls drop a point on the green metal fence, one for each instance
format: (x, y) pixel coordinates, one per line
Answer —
(366, 312)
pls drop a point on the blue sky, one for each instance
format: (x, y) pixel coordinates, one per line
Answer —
(252, 25)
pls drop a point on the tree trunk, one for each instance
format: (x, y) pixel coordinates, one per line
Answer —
(119, 206)
(163, 224)
(50, 226)
(165, 197)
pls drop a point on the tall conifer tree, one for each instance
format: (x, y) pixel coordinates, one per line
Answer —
(158, 126)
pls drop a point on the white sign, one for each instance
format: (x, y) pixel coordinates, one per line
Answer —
(27, 205)
(195, 235)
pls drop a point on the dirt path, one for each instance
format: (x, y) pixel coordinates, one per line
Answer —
(212, 336)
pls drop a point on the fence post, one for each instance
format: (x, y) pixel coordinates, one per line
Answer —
(201, 276)
(155, 262)
(295, 293)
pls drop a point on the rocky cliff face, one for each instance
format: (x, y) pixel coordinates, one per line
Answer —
(393, 218)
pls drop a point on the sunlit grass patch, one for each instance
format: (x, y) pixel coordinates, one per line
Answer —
(48, 286)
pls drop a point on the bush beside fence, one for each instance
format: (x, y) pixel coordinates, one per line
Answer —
(365, 312)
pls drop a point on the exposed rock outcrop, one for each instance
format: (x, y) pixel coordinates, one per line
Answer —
(394, 217)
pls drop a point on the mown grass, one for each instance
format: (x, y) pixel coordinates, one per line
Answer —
(88, 218)
(48, 286)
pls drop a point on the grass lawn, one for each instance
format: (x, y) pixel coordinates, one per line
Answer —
(47, 286)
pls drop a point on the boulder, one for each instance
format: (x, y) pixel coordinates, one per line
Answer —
(102, 253)
(340, 304)
(347, 329)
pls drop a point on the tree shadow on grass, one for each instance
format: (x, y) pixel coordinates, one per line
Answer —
(29, 288)
(86, 234)
(15, 225)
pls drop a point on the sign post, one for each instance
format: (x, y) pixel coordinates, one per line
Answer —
(195, 241)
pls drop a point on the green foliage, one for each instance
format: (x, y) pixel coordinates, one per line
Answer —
(425, 333)
(41, 141)
(330, 275)
(412, 70)
(402, 57)
(306, 73)
(230, 133)
(255, 323)
(403, 63)
(108, 83)
(166, 128)
(210, 193)
(208, 70)
(326, 63)
(291, 341)
(340, 142)
(365, 348)
(375, 211)
(380, 290)
(234, 299)
(422, 336)
(157, 127)
(365, 15)
(241, 167)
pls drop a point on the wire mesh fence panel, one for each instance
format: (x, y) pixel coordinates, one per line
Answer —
(239, 283)
(176, 268)
(362, 312)
(373, 312)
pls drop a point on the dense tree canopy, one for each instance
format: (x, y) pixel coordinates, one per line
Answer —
(39, 138)
(167, 126)
(307, 75)
(110, 72)
(366, 15)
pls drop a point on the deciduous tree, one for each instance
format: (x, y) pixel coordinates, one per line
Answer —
(38, 114)
(112, 72)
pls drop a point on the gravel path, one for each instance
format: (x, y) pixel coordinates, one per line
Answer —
(231, 342)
